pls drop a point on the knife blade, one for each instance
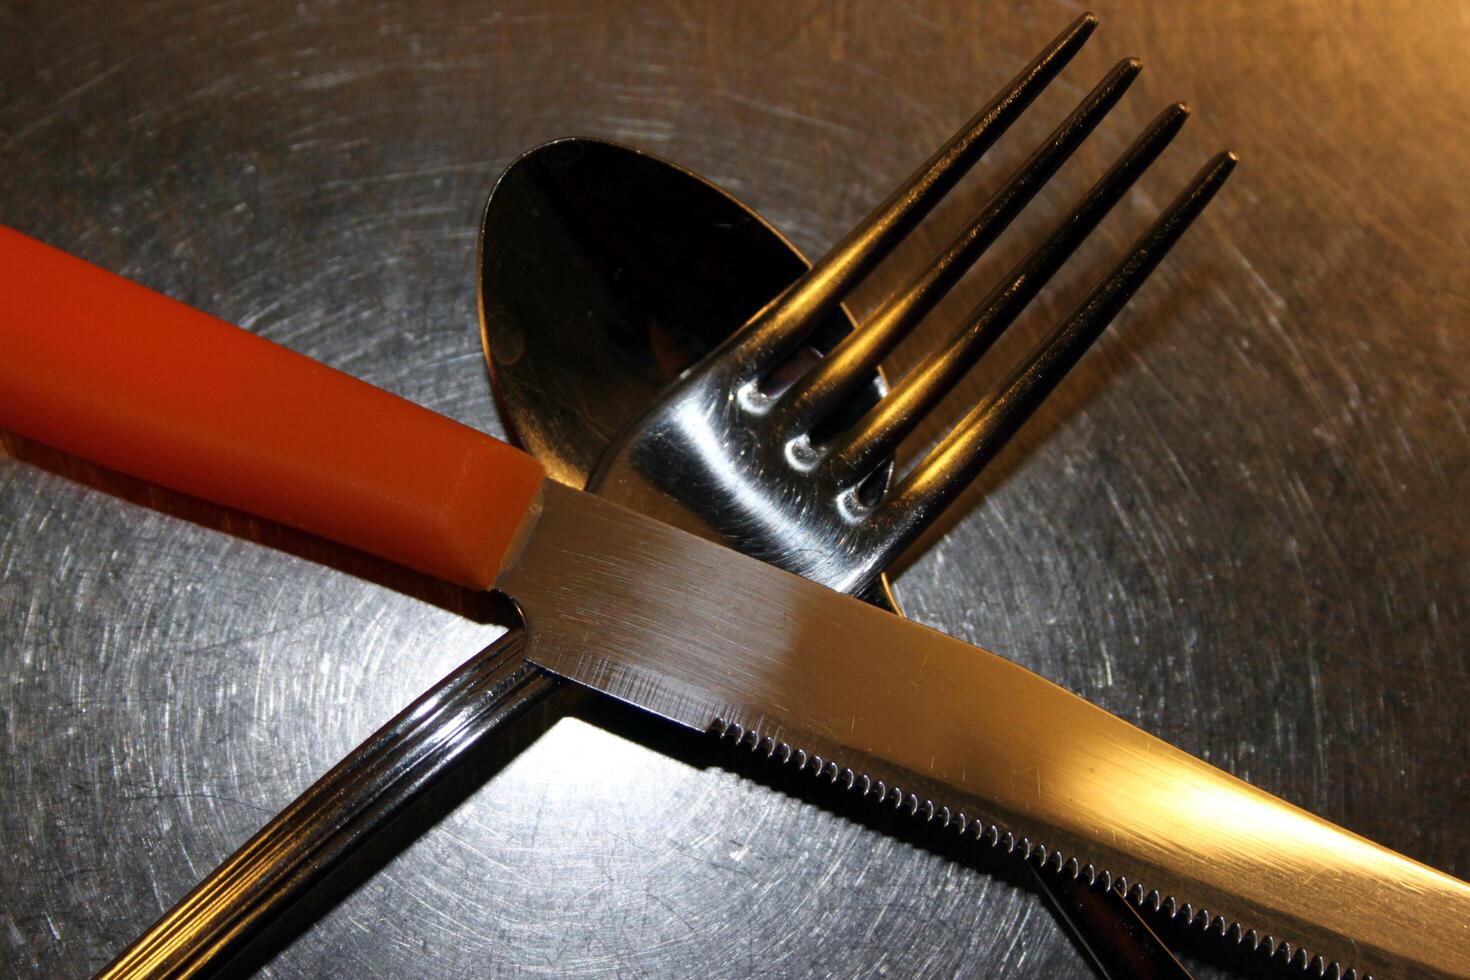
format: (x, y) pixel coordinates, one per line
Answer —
(902, 714)
(962, 737)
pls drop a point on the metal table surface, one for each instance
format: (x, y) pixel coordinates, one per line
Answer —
(1242, 524)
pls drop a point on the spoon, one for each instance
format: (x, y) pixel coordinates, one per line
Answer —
(605, 273)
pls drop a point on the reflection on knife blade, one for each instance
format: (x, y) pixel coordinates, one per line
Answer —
(954, 734)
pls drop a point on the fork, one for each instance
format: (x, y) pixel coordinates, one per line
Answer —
(778, 473)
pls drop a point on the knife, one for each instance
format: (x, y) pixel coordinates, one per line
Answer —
(704, 637)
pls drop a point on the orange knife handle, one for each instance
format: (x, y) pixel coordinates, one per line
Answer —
(111, 371)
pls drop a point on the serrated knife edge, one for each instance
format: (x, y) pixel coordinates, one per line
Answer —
(697, 633)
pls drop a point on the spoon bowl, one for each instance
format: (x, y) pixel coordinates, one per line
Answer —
(605, 274)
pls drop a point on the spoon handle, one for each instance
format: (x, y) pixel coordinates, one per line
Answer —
(306, 841)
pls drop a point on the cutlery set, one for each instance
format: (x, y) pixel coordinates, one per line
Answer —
(720, 565)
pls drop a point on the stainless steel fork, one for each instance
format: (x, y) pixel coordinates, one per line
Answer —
(787, 476)
(778, 473)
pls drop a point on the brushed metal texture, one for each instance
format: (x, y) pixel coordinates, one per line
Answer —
(1240, 525)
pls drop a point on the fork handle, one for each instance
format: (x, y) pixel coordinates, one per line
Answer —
(111, 371)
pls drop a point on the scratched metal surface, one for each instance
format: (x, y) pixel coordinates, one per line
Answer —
(1242, 524)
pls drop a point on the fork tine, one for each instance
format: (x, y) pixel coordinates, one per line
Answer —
(854, 454)
(936, 480)
(828, 382)
(774, 332)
